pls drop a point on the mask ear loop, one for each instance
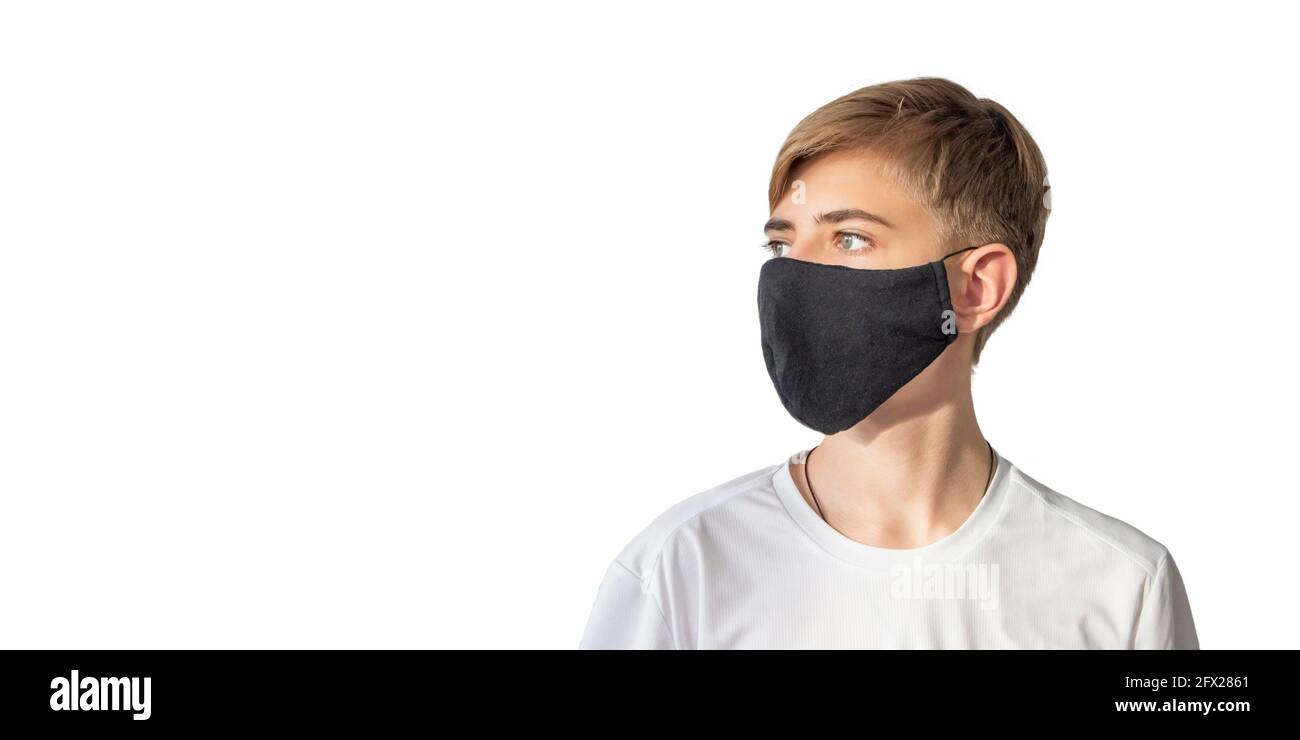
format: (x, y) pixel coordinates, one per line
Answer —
(959, 251)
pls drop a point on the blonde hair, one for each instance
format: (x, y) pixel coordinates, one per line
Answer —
(967, 160)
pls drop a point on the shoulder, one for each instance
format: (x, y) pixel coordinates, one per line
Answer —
(1066, 519)
(727, 499)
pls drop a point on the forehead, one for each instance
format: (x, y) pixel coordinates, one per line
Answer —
(850, 179)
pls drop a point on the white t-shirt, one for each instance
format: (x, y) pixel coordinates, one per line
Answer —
(750, 564)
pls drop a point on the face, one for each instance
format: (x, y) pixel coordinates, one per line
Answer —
(841, 209)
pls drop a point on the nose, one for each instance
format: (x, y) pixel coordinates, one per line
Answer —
(804, 250)
(800, 250)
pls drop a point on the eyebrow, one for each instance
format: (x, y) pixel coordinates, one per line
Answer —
(778, 224)
(834, 217)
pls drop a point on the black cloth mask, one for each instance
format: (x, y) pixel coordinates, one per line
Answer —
(839, 341)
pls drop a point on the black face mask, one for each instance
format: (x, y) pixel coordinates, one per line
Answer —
(839, 341)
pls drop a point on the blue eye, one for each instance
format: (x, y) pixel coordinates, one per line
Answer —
(849, 242)
(776, 248)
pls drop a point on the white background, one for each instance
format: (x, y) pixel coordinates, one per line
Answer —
(387, 324)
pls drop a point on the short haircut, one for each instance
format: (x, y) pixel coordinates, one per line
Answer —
(967, 160)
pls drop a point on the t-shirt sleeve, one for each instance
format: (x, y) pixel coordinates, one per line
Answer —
(1165, 622)
(625, 616)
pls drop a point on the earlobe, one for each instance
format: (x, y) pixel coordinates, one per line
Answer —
(980, 285)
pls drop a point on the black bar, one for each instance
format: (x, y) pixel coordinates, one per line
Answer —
(208, 690)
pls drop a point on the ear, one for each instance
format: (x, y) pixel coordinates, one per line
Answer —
(980, 285)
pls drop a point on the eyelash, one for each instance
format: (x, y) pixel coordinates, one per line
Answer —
(773, 248)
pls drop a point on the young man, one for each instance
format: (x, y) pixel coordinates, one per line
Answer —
(906, 220)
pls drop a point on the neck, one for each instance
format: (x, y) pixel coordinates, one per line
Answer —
(909, 474)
